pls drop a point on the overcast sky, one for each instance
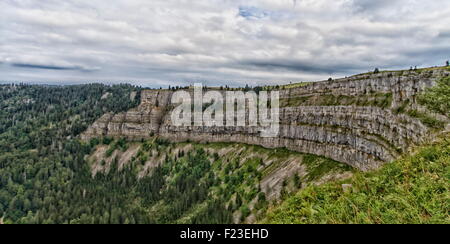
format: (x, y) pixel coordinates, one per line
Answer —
(229, 42)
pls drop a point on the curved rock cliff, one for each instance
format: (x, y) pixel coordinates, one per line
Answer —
(358, 120)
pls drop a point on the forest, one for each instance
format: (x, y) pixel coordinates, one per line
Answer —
(45, 178)
(42, 167)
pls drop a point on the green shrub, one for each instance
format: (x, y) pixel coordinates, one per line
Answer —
(437, 98)
(111, 149)
(426, 119)
(402, 108)
(107, 140)
(122, 144)
(245, 212)
(94, 142)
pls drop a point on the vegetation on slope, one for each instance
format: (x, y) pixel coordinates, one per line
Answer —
(437, 98)
(382, 100)
(413, 189)
(193, 183)
(40, 162)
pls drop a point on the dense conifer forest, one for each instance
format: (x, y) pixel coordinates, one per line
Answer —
(45, 178)
(43, 174)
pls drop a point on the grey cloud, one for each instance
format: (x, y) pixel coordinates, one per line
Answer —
(444, 34)
(371, 5)
(301, 66)
(53, 67)
(439, 52)
(49, 67)
(159, 42)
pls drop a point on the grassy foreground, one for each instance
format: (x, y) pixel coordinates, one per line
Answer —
(413, 190)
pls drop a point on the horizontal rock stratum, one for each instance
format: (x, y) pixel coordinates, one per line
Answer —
(356, 120)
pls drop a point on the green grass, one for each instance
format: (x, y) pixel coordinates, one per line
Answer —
(437, 99)
(295, 85)
(383, 100)
(426, 119)
(320, 166)
(388, 145)
(401, 72)
(402, 108)
(414, 189)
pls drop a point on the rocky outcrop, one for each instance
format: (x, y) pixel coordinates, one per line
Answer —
(363, 136)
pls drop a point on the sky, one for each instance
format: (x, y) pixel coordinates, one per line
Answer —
(217, 42)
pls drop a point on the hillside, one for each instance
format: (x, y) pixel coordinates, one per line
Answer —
(205, 183)
(411, 190)
(42, 165)
(108, 154)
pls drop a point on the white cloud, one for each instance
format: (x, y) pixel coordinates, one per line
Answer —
(162, 42)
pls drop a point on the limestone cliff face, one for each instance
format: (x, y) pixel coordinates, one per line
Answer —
(359, 126)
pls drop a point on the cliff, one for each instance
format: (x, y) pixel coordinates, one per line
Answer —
(360, 120)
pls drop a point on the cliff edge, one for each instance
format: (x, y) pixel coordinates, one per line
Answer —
(363, 120)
